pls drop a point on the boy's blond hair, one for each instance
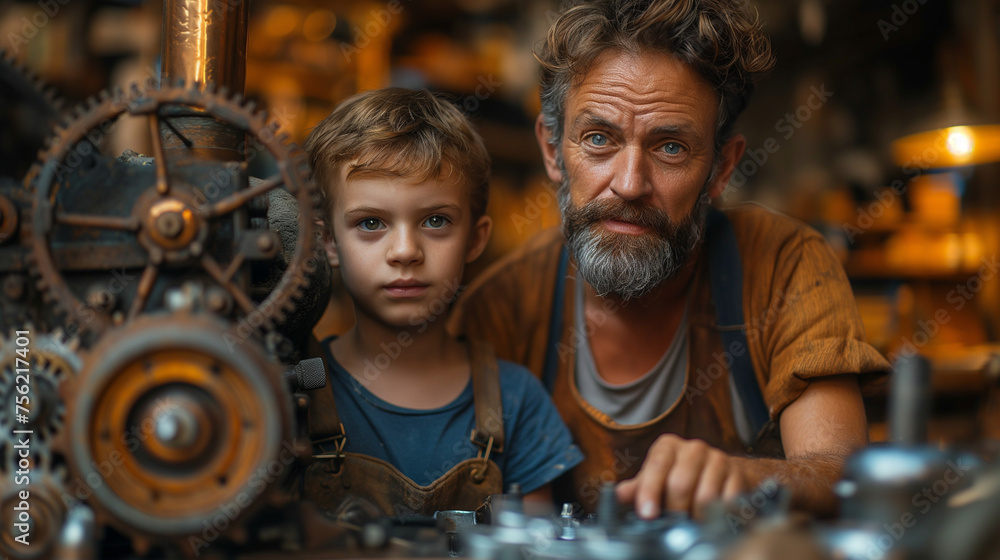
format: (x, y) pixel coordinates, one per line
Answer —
(398, 132)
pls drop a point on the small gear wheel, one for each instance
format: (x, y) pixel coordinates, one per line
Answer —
(177, 438)
(51, 361)
(104, 260)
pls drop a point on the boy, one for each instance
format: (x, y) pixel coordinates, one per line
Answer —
(414, 421)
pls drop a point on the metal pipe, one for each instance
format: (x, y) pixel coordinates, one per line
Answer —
(910, 400)
(203, 42)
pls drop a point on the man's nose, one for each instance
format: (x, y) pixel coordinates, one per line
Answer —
(405, 248)
(631, 177)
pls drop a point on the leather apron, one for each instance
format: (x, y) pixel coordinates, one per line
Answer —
(348, 484)
(614, 452)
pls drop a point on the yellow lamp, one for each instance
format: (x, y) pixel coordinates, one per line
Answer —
(954, 146)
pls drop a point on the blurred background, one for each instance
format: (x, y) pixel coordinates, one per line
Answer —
(880, 127)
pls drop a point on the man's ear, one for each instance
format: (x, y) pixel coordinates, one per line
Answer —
(331, 251)
(544, 135)
(729, 156)
(480, 236)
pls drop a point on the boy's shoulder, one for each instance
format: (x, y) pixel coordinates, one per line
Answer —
(517, 381)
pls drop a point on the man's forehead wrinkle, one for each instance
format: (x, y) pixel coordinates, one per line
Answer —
(654, 116)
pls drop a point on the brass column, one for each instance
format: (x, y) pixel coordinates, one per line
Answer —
(204, 42)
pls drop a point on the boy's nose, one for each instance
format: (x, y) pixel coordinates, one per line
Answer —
(405, 248)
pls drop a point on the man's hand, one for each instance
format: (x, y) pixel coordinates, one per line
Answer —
(819, 430)
(682, 475)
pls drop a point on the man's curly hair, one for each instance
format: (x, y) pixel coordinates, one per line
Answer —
(722, 40)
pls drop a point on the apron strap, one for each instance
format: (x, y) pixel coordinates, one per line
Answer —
(726, 270)
(324, 422)
(488, 434)
(556, 323)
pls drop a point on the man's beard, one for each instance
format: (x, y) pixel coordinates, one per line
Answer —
(625, 266)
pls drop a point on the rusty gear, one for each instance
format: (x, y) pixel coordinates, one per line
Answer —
(170, 224)
(173, 437)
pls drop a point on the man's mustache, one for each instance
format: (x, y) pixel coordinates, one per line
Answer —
(624, 211)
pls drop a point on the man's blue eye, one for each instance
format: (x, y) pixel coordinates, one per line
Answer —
(436, 222)
(672, 148)
(370, 224)
(598, 139)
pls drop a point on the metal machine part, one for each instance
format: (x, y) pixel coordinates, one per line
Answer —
(204, 46)
(52, 362)
(175, 426)
(28, 110)
(106, 260)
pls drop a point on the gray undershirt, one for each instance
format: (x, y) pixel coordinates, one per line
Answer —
(652, 394)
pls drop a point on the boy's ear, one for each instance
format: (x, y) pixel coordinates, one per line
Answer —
(331, 251)
(480, 236)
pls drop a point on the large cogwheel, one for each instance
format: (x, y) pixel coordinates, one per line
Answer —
(111, 239)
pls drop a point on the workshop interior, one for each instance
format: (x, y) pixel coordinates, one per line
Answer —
(160, 268)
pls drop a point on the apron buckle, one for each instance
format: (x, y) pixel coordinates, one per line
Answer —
(339, 441)
(479, 473)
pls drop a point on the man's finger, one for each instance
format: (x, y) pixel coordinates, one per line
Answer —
(683, 478)
(735, 485)
(712, 483)
(625, 490)
(652, 477)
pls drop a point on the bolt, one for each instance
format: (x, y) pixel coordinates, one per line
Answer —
(195, 249)
(265, 243)
(177, 428)
(100, 300)
(217, 300)
(170, 224)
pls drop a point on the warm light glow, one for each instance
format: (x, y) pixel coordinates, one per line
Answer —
(319, 25)
(281, 20)
(960, 142)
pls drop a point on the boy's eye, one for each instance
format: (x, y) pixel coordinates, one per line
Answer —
(370, 224)
(436, 222)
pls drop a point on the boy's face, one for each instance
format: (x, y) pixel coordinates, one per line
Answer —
(402, 245)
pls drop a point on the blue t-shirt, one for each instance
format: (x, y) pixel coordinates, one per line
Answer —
(425, 444)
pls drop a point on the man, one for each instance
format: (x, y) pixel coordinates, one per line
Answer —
(661, 357)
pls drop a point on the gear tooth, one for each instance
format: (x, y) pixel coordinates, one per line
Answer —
(105, 95)
(92, 102)
(278, 316)
(222, 91)
(250, 106)
(237, 98)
